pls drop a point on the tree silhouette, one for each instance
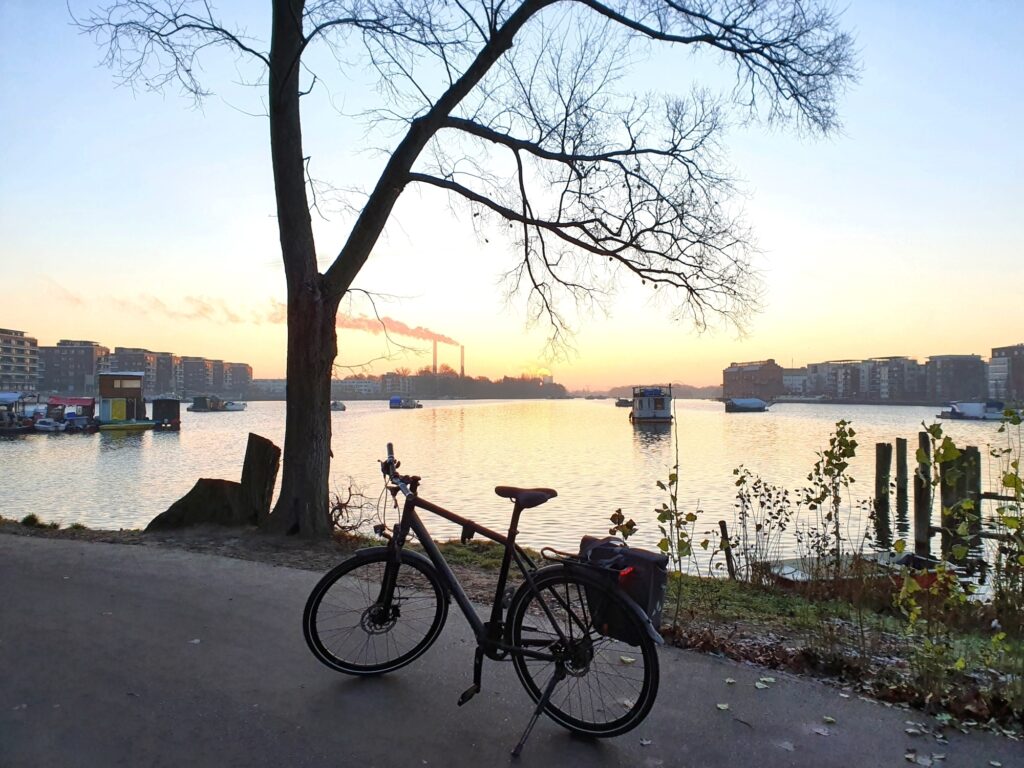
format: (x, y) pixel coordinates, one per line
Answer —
(519, 109)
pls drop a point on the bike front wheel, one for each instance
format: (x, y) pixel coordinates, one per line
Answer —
(609, 686)
(348, 628)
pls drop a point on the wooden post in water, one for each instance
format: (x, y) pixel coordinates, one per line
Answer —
(727, 548)
(923, 497)
(883, 469)
(901, 485)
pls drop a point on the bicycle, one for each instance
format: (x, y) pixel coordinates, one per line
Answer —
(583, 649)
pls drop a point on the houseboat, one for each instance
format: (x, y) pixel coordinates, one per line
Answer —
(214, 404)
(746, 405)
(403, 402)
(651, 404)
(122, 407)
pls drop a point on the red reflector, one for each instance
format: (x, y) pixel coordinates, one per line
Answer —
(625, 572)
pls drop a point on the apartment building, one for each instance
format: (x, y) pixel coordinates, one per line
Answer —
(70, 367)
(19, 361)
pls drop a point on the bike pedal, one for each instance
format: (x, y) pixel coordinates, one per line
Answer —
(468, 694)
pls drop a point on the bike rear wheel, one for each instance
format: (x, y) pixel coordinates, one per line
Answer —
(609, 685)
(347, 628)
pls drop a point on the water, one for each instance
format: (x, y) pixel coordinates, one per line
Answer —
(585, 449)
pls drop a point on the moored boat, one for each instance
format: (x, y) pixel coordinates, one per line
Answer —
(991, 410)
(746, 405)
(404, 402)
(50, 425)
(129, 425)
(651, 404)
(623, 402)
(234, 405)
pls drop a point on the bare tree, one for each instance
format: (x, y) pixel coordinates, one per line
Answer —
(521, 109)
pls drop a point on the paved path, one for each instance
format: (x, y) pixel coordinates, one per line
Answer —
(100, 666)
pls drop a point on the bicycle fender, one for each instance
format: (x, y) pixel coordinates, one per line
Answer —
(586, 572)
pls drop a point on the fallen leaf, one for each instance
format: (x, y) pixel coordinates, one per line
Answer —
(829, 720)
(912, 731)
(729, 681)
(194, 642)
(627, 659)
(761, 685)
(645, 742)
(767, 679)
(722, 707)
(822, 731)
(995, 764)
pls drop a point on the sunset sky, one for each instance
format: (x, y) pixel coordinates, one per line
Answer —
(138, 220)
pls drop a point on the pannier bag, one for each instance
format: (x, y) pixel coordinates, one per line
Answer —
(641, 574)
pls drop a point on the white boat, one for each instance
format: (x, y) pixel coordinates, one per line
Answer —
(232, 405)
(993, 410)
(337, 405)
(746, 405)
(50, 425)
(651, 405)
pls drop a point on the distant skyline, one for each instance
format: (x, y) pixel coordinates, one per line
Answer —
(135, 220)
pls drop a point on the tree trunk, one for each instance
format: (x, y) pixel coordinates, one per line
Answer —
(303, 504)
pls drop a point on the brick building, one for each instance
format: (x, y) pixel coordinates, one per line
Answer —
(70, 367)
(763, 379)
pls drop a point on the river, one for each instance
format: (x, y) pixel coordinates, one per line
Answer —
(586, 449)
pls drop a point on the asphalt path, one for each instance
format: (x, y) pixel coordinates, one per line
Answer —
(114, 655)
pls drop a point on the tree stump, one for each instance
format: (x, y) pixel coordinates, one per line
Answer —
(210, 501)
(224, 502)
(259, 474)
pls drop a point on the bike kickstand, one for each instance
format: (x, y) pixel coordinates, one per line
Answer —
(556, 678)
(474, 689)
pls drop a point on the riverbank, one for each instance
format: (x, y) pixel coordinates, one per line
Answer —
(718, 617)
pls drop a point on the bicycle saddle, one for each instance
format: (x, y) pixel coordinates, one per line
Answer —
(526, 497)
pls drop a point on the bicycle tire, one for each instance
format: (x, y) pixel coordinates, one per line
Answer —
(342, 624)
(610, 686)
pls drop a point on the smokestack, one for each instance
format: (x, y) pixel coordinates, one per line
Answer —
(462, 362)
(435, 357)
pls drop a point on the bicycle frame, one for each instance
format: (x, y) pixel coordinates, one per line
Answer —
(488, 634)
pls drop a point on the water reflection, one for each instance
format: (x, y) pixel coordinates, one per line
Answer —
(648, 434)
(587, 450)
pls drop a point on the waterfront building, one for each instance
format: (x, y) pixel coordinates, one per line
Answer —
(197, 375)
(392, 383)
(761, 378)
(237, 378)
(794, 381)
(132, 359)
(270, 388)
(1006, 374)
(367, 386)
(956, 377)
(19, 361)
(168, 377)
(891, 379)
(70, 367)
(835, 379)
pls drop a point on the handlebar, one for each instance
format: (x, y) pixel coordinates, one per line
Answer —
(407, 484)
